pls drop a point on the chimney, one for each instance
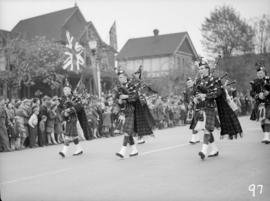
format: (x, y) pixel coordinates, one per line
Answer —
(155, 31)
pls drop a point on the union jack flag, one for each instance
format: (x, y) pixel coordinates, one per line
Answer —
(74, 61)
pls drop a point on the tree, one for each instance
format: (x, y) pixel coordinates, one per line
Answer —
(37, 58)
(226, 33)
(262, 34)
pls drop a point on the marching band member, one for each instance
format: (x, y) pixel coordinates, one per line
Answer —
(261, 93)
(209, 95)
(132, 113)
(68, 104)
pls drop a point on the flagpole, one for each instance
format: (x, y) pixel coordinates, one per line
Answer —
(93, 47)
(99, 80)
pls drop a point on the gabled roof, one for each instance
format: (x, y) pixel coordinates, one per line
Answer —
(48, 25)
(152, 46)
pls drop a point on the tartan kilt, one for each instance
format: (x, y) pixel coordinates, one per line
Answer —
(210, 114)
(128, 126)
(210, 121)
(71, 128)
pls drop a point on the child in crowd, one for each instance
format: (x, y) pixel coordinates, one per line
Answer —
(42, 130)
(50, 122)
(33, 127)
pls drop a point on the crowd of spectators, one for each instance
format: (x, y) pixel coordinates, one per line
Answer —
(37, 122)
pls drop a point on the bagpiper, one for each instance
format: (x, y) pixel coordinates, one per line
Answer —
(131, 113)
(208, 96)
(260, 91)
(68, 106)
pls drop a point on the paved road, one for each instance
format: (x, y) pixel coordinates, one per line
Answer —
(168, 169)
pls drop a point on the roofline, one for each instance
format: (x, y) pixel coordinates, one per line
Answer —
(47, 13)
(144, 57)
(159, 35)
(190, 42)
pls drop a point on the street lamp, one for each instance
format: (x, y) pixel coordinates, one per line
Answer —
(93, 47)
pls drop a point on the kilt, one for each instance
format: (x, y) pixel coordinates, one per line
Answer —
(128, 126)
(71, 128)
(209, 122)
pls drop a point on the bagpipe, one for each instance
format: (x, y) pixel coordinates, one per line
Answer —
(214, 84)
(134, 84)
(260, 86)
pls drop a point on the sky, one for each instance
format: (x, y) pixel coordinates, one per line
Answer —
(135, 18)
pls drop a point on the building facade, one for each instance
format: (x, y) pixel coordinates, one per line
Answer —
(158, 54)
(54, 26)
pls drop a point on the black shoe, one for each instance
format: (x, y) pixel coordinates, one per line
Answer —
(201, 154)
(77, 154)
(136, 154)
(191, 142)
(62, 154)
(267, 142)
(213, 155)
(119, 155)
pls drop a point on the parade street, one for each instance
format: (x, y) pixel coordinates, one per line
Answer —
(167, 169)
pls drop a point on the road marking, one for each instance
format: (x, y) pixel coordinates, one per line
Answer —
(34, 176)
(163, 149)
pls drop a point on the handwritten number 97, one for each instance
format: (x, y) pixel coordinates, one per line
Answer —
(253, 188)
